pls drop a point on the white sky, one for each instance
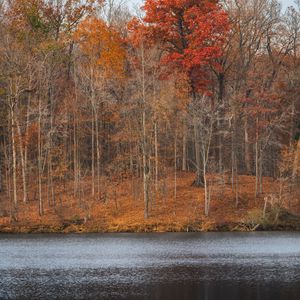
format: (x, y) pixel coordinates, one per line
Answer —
(285, 3)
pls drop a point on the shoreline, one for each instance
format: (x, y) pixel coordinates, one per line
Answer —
(146, 228)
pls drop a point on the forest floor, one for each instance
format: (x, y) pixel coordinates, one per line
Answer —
(121, 208)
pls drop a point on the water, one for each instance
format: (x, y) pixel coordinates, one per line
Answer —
(151, 266)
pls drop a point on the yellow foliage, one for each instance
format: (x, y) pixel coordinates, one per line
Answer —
(102, 45)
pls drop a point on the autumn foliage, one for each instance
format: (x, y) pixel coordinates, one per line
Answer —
(187, 111)
(191, 33)
(102, 45)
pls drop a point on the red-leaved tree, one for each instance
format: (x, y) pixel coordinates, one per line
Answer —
(191, 33)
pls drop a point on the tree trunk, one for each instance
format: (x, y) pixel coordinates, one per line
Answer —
(146, 169)
(220, 147)
(97, 152)
(1, 170)
(94, 116)
(260, 171)
(7, 164)
(14, 155)
(206, 200)
(296, 163)
(50, 187)
(247, 149)
(93, 154)
(175, 166)
(156, 160)
(41, 207)
(75, 163)
(256, 169)
(256, 161)
(23, 166)
(184, 148)
(199, 178)
(131, 151)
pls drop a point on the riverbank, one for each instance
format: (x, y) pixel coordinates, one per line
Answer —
(157, 228)
(205, 226)
(121, 209)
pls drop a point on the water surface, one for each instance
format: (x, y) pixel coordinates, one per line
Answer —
(151, 266)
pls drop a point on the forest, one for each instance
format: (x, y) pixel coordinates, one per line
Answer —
(183, 115)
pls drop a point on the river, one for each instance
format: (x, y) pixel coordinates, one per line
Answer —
(166, 266)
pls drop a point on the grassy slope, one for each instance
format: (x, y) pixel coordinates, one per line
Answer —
(121, 212)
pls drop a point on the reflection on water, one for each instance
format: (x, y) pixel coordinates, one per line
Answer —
(151, 266)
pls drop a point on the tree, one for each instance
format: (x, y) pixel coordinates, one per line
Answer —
(103, 59)
(191, 33)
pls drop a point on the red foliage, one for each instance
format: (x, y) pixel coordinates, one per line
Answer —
(190, 32)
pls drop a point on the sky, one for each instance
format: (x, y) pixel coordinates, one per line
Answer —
(285, 3)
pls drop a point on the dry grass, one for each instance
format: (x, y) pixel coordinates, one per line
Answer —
(122, 208)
